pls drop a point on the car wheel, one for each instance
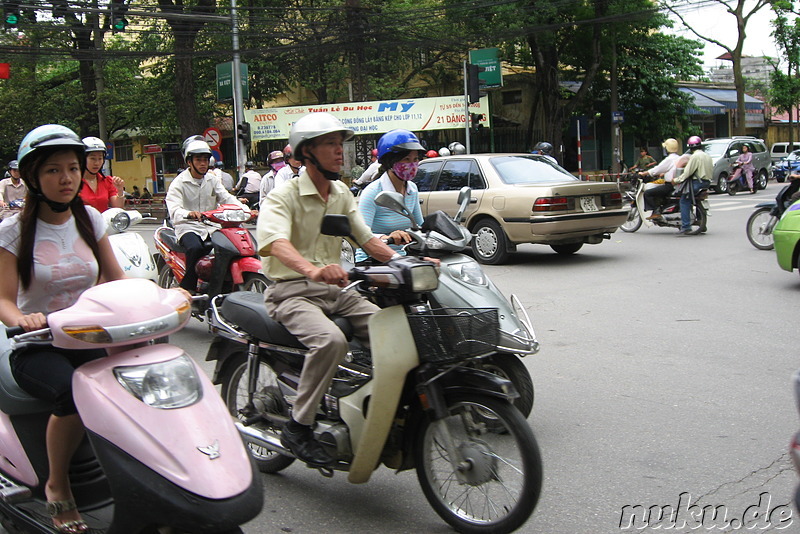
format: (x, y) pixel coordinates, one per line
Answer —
(722, 183)
(761, 183)
(566, 250)
(490, 244)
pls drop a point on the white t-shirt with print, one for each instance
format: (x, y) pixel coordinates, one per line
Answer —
(63, 264)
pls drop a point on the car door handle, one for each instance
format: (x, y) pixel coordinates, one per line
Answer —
(473, 200)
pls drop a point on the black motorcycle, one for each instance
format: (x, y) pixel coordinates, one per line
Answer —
(767, 214)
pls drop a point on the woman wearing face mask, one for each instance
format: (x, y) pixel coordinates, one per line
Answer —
(275, 163)
(398, 154)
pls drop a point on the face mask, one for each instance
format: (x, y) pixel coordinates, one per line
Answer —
(405, 170)
(278, 165)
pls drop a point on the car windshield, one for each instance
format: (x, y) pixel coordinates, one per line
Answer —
(531, 169)
(715, 149)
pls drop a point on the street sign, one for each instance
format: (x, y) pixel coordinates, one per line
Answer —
(225, 81)
(617, 117)
(213, 137)
(492, 76)
(151, 149)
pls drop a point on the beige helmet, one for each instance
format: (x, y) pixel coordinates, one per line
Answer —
(671, 146)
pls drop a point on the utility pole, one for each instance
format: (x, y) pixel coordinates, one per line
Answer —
(615, 148)
(238, 105)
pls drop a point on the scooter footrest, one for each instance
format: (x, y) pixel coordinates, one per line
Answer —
(11, 492)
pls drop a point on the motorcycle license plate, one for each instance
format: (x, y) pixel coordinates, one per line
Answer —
(588, 204)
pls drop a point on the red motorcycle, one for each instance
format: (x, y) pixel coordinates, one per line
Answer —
(231, 264)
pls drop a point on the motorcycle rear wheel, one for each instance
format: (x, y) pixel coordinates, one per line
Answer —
(499, 479)
(759, 229)
(255, 282)
(267, 398)
(633, 222)
(700, 220)
(165, 277)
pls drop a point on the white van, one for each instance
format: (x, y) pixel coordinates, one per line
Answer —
(781, 150)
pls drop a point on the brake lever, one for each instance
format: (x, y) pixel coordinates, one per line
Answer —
(351, 285)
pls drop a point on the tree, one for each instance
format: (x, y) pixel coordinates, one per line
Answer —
(737, 9)
(784, 93)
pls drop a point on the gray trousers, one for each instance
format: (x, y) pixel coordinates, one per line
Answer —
(303, 307)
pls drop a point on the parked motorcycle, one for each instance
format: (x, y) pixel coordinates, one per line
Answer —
(464, 284)
(762, 222)
(738, 183)
(410, 401)
(130, 248)
(161, 450)
(670, 213)
(231, 244)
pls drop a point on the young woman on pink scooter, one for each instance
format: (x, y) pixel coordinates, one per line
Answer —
(50, 253)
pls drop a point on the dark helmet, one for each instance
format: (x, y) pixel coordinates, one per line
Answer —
(397, 141)
(13, 164)
(543, 147)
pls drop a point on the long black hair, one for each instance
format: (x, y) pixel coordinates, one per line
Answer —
(29, 172)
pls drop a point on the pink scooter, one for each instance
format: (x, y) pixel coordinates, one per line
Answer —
(162, 453)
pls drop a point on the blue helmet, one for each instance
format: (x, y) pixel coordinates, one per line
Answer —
(47, 135)
(397, 141)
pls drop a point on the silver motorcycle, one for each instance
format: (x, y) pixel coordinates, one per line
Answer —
(463, 284)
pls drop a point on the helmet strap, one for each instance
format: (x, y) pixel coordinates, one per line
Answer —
(329, 175)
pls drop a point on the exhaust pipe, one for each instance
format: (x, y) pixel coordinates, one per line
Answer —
(257, 437)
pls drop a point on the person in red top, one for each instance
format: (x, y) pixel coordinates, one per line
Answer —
(100, 191)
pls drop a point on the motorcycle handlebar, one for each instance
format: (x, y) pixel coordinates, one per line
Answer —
(12, 331)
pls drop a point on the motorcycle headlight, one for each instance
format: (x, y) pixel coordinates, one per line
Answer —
(121, 221)
(234, 216)
(471, 273)
(165, 385)
(424, 278)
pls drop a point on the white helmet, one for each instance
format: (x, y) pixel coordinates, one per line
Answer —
(194, 147)
(444, 151)
(94, 144)
(458, 148)
(315, 125)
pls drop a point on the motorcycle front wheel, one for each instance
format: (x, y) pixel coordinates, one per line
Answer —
(267, 398)
(759, 229)
(478, 480)
(510, 367)
(633, 222)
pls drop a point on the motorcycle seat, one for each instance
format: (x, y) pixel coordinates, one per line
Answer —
(246, 309)
(167, 235)
(13, 399)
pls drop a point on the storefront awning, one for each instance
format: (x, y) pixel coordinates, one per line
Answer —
(720, 99)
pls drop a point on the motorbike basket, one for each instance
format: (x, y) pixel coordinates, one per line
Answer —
(452, 334)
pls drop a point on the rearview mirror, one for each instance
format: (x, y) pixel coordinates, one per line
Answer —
(335, 225)
(393, 200)
(464, 198)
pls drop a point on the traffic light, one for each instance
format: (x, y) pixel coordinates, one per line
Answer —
(243, 131)
(475, 120)
(118, 20)
(11, 14)
(473, 83)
